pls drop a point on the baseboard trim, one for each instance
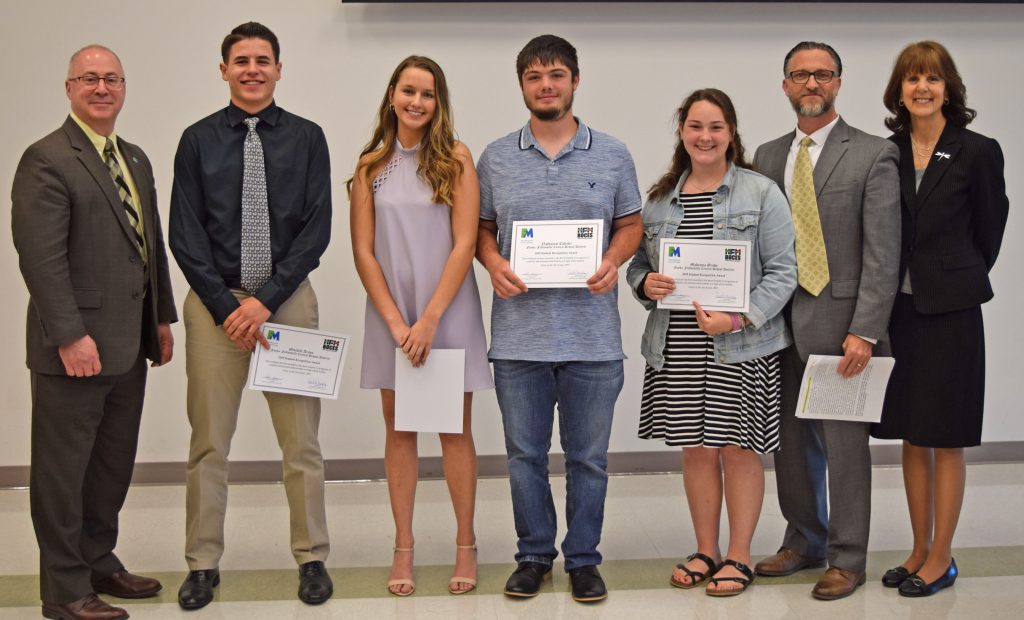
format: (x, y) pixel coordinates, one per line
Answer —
(488, 465)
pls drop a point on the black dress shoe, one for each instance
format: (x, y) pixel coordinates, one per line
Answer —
(89, 607)
(587, 585)
(526, 579)
(915, 586)
(197, 589)
(123, 584)
(894, 577)
(315, 585)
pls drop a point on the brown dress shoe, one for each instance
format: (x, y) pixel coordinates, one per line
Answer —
(123, 584)
(785, 562)
(837, 583)
(89, 607)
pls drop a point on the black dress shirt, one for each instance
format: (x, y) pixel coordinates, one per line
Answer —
(205, 233)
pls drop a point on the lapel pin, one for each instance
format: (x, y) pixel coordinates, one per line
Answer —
(942, 155)
(136, 159)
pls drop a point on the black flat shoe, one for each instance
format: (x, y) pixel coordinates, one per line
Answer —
(526, 580)
(895, 576)
(587, 585)
(315, 585)
(914, 586)
(196, 591)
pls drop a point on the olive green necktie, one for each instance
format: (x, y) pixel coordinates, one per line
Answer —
(811, 260)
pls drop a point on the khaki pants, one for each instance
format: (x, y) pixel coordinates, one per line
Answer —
(217, 371)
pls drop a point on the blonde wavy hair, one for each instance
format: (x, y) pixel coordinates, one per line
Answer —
(438, 165)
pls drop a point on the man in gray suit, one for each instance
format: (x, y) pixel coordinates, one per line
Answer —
(843, 187)
(92, 254)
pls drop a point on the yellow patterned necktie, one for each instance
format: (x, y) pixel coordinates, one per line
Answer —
(811, 260)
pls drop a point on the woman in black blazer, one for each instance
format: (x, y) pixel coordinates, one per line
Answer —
(954, 210)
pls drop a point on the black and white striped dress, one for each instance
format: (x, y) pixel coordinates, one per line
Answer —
(693, 401)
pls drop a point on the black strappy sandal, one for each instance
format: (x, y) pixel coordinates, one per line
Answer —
(745, 581)
(696, 577)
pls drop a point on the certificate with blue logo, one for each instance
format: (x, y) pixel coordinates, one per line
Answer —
(714, 273)
(556, 253)
(306, 362)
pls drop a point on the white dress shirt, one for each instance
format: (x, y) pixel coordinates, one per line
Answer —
(814, 150)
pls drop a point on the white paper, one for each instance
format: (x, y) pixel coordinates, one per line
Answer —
(714, 273)
(301, 361)
(429, 399)
(826, 395)
(556, 253)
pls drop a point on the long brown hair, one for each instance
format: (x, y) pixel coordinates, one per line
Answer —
(681, 159)
(438, 165)
(926, 57)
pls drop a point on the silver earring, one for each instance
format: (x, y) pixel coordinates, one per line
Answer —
(900, 103)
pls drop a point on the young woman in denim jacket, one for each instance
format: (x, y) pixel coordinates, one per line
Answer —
(712, 379)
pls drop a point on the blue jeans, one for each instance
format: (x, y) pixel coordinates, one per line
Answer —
(585, 393)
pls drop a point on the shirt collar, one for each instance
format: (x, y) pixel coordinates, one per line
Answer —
(97, 140)
(270, 115)
(818, 136)
(580, 141)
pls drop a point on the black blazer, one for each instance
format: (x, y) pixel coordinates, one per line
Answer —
(953, 224)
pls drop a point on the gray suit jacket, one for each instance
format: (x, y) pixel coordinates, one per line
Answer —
(856, 180)
(77, 254)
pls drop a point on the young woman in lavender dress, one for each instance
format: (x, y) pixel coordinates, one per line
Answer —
(415, 205)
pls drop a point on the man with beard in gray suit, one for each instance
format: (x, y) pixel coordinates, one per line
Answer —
(843, 187)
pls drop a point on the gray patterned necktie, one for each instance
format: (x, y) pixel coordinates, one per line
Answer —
(257, 263)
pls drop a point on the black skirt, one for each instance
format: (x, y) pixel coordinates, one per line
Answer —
(936, 394)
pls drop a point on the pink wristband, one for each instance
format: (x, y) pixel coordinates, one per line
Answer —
(737, 323)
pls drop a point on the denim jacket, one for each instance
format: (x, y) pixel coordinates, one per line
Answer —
(748, 206)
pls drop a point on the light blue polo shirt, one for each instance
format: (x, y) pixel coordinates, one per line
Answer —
(592, 177)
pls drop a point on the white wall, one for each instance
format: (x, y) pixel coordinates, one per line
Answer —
(637, 62)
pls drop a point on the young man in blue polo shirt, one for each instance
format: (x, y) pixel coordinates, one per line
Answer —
(556, 346)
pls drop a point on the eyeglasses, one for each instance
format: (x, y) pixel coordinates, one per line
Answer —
(113, 82)
(821, 76)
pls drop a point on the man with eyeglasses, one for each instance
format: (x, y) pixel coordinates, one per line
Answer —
(843, 188)
(250, 218)
(87, 231)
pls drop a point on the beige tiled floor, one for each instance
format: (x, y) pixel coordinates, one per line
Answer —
(646, 530)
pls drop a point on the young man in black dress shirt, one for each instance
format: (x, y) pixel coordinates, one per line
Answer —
(250, 218)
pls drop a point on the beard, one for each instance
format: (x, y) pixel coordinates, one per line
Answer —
(550, 114)
(816, 110)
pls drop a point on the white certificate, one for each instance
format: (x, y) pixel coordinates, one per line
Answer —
(429, 398)
(826, 395)
(300, 361)
(714, 273)
(556, 253)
